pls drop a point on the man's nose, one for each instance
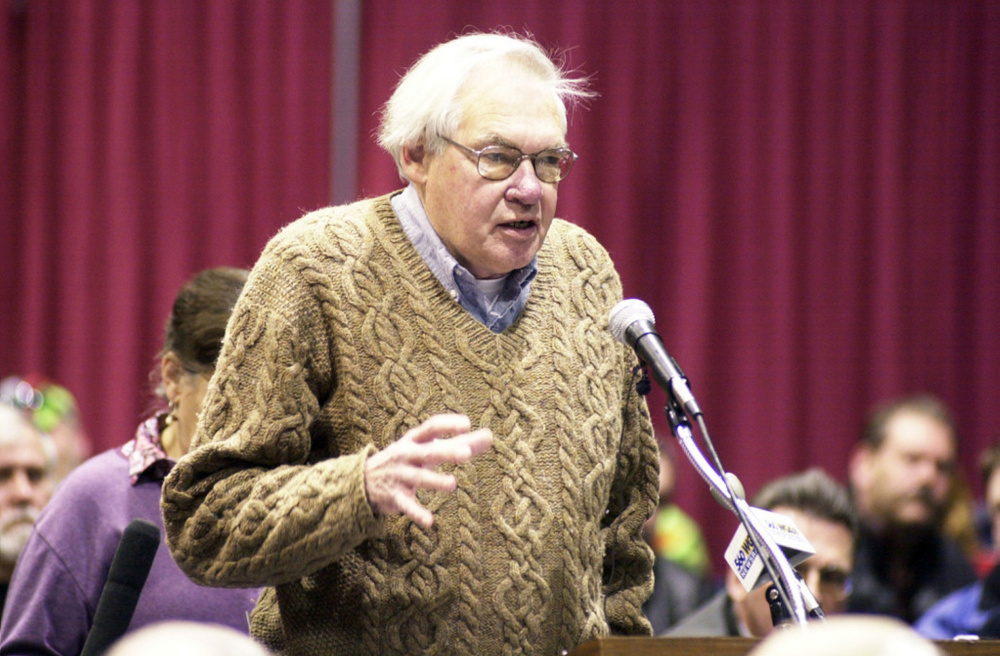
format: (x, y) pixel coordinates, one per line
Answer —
(526, 187)
(21, 487)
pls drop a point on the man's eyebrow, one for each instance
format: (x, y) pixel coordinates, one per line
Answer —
(494, 139)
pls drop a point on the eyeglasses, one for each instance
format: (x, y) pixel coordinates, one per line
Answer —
(500, 162)
(48, 404)
(834, 583)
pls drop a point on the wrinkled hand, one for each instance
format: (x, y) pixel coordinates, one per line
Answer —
(394, 474)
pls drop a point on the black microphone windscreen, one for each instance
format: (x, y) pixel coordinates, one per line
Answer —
(135, 553)
(129, 569)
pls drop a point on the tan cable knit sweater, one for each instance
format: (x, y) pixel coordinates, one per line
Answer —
(342, 341)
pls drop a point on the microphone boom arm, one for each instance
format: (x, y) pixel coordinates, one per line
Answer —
(773, 557)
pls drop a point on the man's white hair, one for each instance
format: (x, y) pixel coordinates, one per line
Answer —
(425, 104)
(16, 426)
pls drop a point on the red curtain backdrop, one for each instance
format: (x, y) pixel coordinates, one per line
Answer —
(144, 140)
(806, 193)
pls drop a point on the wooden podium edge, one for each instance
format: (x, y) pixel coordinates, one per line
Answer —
(644, 646)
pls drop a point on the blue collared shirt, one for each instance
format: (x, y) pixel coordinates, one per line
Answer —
(495, 313)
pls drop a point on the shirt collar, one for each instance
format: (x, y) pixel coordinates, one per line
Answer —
(456, 279)
(145, 453)
(421, 233)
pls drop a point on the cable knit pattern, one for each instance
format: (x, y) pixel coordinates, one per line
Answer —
(342, 341)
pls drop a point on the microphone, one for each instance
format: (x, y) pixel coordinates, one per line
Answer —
(631, 323)
(744, 559)
(129, 568)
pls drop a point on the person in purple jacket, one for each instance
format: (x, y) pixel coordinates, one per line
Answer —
(61, 572)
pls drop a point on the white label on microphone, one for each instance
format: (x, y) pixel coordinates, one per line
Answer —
(743, 558)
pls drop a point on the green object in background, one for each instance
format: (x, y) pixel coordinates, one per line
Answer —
(677, 537)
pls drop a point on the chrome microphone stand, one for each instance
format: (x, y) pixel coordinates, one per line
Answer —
(728, 491)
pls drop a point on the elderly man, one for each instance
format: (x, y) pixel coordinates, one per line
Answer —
(336, 460)
(25, 486)
(901, 476)
(821, 509)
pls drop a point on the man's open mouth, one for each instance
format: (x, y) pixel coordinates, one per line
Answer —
(520, 225)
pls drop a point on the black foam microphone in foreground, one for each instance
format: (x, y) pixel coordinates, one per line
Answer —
(129, 569)
(631, 322)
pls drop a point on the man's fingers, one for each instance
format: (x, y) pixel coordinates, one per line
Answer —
(438, 426)
(395, 474)
(479, 440)
(412, 508)
(425, 479)
(397, 494)
(458, 449)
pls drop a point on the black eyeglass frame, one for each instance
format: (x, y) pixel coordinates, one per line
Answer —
(564, 165)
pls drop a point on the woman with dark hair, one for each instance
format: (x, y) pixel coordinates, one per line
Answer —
(62, 571)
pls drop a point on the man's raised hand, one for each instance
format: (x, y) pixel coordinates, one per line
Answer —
(394, 474)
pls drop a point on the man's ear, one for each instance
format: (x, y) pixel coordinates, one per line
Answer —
(414, 160)
(859, 467)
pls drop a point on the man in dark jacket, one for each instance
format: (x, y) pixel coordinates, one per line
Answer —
(901, 476)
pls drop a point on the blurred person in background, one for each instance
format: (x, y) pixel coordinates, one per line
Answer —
(822, 511)
(171, 638)
(54, 411)
(974, 609)
(25, 486)
(850, 635)
(62, 571)
(902, 476)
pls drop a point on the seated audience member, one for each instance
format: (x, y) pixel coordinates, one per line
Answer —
(851, 635)
(680, 581)
(62, 571)
(822, 510)
(901, 476)
(188, 638)
(54, 411)
(969, 611)
(25, 486)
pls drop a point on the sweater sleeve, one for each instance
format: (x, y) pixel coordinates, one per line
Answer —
(628, 561)
(248, 506)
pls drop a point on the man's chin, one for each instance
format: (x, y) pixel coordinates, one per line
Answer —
(12, 541)
(916, 516)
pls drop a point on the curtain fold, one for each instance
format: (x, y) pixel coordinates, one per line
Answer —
(144, 141)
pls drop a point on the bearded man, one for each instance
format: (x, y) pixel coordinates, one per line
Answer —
(901, 477)
(25, 486)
